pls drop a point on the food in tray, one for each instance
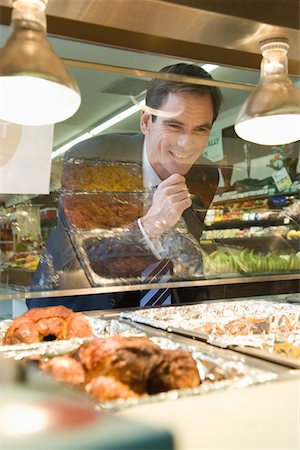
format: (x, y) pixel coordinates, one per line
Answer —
(102, 175)
(46, 324)
(251, 325)
(106, 388)
(64, 368)
(293, 234)
(24, 260)
(177, 370)
(129, 367)
(102, 210)
(271, 327)
(125, 367)
(288, 349)
(139, 363)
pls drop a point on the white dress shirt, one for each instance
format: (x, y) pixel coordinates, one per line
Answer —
(150, 180)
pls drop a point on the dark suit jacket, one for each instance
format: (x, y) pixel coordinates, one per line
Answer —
(61, 266)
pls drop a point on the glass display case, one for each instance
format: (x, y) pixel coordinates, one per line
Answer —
(249, 238)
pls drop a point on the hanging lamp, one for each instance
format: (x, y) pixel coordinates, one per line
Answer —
(271, 114)
(35, 86)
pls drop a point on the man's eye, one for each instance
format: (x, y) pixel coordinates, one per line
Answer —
(202, 130)
(173, 126)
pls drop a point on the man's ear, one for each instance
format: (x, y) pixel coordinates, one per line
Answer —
(145, 122)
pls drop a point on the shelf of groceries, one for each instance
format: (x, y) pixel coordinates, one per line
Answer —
(253, 232)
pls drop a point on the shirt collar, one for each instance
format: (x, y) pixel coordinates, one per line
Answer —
(150, 177)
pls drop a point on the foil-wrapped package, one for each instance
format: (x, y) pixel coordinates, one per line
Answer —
(250, 323)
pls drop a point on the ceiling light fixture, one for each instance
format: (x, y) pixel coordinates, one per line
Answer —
(35, 86)
(271, 114)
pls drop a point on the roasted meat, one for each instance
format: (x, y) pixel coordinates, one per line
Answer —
(64, 368)
(128, 359)
(47, 324)
(106, 388)
(177, 370)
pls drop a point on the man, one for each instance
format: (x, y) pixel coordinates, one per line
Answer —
(175, 127)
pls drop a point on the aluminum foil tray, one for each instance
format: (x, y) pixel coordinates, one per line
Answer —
(264, 329)
(216, 372)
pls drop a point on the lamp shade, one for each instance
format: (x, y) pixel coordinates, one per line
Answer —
(35, 86)
(271, 114)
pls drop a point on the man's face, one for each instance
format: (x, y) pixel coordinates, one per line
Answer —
(177, 137)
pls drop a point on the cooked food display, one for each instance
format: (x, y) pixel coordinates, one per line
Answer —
(139, 363)
(124, 367)
(119, 365)
(105, 388)
(99, 210)
(245, 326)
(103, 175)
(64, 368)
(47, 324)
(271, 327)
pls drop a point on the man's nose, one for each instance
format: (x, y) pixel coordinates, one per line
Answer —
(186, 141)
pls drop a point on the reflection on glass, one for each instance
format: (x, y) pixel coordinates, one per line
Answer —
(250, 228)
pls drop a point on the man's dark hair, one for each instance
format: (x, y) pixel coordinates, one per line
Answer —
(158, 90)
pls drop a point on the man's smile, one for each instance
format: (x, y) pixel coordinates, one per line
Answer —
(179, 155)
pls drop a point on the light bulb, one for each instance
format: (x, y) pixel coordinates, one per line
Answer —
(271, 114)
(35, 86)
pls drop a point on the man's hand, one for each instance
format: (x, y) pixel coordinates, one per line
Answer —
(170, 199)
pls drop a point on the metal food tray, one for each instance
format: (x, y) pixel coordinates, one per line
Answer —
(80, 239)
(238, 371)
(184, 319)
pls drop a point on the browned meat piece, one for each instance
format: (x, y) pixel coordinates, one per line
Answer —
(245, 326)
(209, 328)
(78, 326)
(178, 370)
(47, 324)
(108, 388)
(128, 359)
(64, 368)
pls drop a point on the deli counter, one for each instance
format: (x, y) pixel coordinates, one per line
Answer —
(215, 366)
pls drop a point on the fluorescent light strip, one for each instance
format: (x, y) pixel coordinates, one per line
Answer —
(209, 67)
(99, 128)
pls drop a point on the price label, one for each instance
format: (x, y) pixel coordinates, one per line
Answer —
(282, 179)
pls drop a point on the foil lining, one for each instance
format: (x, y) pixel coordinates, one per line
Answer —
(216, 372)
(271, 327)
(48, 349)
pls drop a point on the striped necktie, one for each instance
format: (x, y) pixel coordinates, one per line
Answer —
(158, 272)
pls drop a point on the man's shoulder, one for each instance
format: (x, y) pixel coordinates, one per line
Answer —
(114, 146)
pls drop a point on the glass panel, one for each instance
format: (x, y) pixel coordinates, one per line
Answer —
(97, 194)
